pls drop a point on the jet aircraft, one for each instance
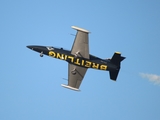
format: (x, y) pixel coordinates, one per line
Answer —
(79, 59)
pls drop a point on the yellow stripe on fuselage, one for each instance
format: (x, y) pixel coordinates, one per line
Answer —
(78, 61)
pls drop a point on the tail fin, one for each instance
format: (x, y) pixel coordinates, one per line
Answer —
(116, 60)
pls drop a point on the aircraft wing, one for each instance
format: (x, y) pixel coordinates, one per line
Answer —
(75, 79)
(80, 48)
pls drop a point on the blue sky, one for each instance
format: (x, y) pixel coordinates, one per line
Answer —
(30, 85)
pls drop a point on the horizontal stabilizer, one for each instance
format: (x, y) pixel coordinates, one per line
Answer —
(117, 58)
(69, 87)
(113, 74)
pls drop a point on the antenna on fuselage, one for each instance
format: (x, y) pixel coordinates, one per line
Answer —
(73, 34)
(65, 79)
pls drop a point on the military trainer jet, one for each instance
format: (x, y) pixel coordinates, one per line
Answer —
(79, 59)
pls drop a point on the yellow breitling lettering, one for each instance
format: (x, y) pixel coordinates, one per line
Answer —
(52, 54)
(103, 67)
(82, 62)
(88, 64)
(72, 58)
(77, 61)
(94, 65)
(60, 56)
(65, 57)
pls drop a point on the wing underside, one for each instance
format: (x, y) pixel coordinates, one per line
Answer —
(80, 45)
(80, 48)
(75, 75)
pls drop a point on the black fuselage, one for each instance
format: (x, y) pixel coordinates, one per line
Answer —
(59, 53)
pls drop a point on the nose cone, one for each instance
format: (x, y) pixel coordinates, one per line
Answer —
(30, 47)
(39, 49)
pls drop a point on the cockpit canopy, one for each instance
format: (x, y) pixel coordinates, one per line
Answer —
(53, 48)
(50, 48)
